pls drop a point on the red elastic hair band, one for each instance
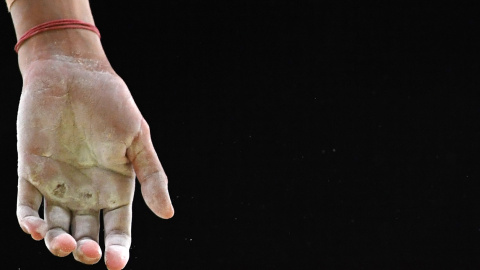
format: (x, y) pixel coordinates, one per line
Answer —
(56, 24)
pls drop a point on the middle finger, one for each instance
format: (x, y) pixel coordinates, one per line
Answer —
(85, 230)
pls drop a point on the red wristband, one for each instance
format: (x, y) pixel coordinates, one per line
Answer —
(56, 24)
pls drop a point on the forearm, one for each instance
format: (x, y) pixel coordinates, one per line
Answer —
(79, 43)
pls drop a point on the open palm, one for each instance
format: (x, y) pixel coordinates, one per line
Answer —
(81, 143)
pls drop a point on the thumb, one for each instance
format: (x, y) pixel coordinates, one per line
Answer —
(150, 173)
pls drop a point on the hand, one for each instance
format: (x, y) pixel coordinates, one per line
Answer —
(81, 143)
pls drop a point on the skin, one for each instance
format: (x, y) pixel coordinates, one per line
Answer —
(82, 140)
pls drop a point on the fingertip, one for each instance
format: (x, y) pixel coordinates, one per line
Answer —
(63, 244)
(156, 196)
(36, 227)
(40, 232)
(37, 236)
(91, 250)
(116, 257)
(163, 210)
(168, 213)
(88, 252)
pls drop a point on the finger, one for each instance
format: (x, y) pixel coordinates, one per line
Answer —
(85, 229)
(29, 200)
(150, 174)
(57, 239)
(117, 226)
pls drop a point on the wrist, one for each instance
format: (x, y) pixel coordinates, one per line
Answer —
(78, 43)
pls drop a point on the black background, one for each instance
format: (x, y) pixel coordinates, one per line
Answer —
(295, 135)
